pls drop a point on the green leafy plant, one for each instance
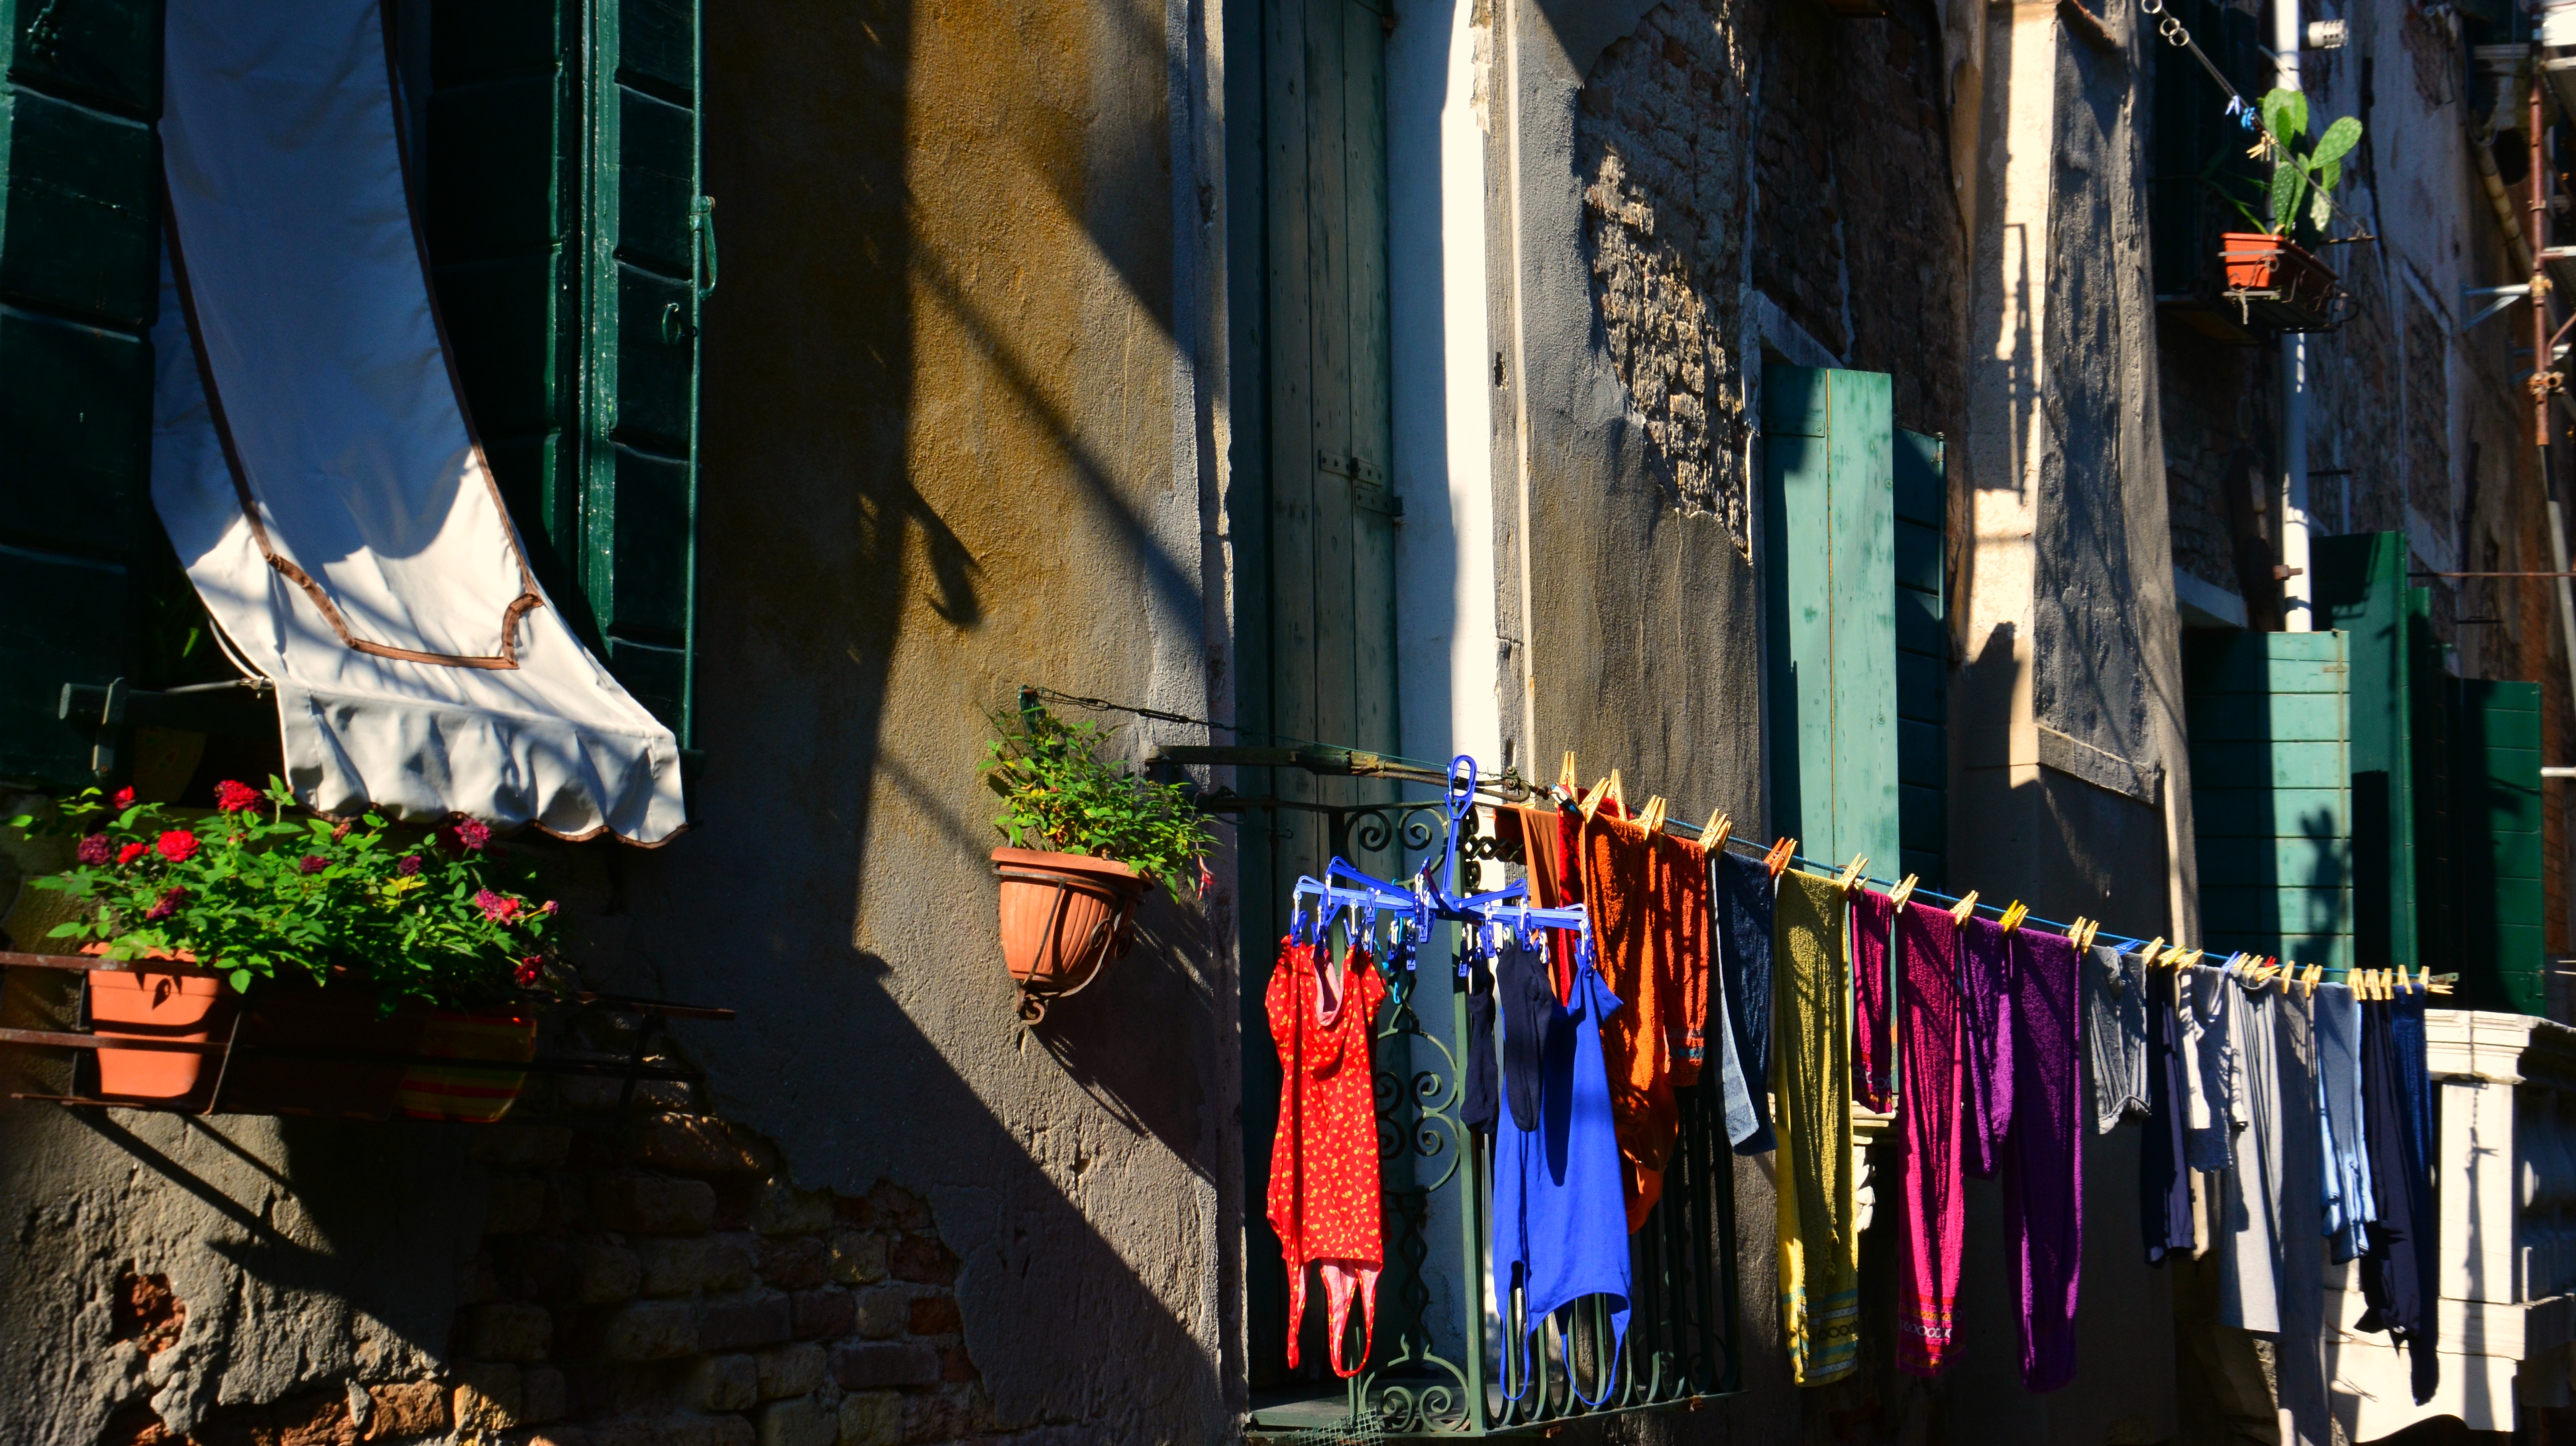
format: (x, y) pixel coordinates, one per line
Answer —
(1058, 793)
(262, 889)
(2303, 181)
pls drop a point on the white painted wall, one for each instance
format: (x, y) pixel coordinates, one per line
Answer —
(1445, 633)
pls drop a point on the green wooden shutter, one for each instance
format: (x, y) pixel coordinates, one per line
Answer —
(2361, 590)
(644, 273)
(1829, 477)
(1922, 655)
(574, 250)
(2497, 757)
(2270, 793)
(80, 188)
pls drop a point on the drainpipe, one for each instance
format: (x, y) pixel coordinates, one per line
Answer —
(2298, 589)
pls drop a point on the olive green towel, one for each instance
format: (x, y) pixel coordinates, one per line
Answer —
(1810, 1065)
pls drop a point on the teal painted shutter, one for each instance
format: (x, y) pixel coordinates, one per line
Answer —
(2361, 590)
(1922, 655)
(80, 188)
(2496, 751)
(2270, 793)
(573, 251)
(1829, 479)
(646, 260)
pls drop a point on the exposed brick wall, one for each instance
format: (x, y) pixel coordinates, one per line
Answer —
(1855, 229)
(653, 1277)
(1660, 139)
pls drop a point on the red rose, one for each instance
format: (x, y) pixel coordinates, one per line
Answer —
(233, 796)
(169, 904)
(500, 907)
(124, 798)
(96, 849)
(178, 845)
(407, 865)
(129, 853)
(466, 834)
(528, 971)
(312, 863)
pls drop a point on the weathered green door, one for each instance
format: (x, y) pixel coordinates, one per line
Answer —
(80, 212)
(1314, 511)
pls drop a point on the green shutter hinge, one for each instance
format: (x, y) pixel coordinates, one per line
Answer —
(702, 232)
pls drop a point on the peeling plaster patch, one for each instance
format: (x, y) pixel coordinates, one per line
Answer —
(1659, 135)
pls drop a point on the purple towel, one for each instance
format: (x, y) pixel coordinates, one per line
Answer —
(1986, 1043)
(2043, 1162)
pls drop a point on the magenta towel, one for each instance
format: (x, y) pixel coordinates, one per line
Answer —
(2043, 1184)
(1873, 1012)
(1933, 1214)
(1986, 959)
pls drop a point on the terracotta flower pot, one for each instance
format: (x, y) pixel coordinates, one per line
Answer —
(2279, 282)
(472, 1096)
(137, 1004)
(1063, 916)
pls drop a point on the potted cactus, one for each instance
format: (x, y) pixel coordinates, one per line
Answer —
(2269, 275)
(1087, 839)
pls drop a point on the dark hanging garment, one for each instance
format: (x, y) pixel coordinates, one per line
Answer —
(2164, 1188)
(1741, 891)
(1986, 1043)
(2043, 1160)
(1525, 998)
(2397, 1271)
(1484, 1084)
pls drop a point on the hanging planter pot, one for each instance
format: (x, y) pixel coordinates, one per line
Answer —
(2274, 281)
(469, 1094)
(1063, 917)
(142, 1005)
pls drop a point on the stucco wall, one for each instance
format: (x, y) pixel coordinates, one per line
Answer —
(956, 432)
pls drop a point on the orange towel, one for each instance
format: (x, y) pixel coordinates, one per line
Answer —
(1620, 874)
(1682, 943)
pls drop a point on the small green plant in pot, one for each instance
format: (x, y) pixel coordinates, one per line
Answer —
(1087, 838)
(2266, 260)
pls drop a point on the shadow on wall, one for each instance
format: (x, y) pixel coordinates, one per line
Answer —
(349, 1273)
(934, 406)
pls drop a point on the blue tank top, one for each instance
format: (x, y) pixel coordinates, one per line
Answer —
(1560, 1222)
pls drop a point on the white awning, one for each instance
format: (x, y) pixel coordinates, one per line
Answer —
(312, 461)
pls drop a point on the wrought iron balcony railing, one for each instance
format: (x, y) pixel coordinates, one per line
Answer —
(1437, 1367)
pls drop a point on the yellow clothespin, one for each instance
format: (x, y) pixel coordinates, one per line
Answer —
(2309, 979)
(1713, 837)
(1851, 872)
(2425, 979)
(2288, 974)
(1566, 782)
(2014, 915)
(1653, 817)
(1904, 890)
(2155, 952)
(2075, 932)
(1964, 910)
(2091, 930)
(1592, 800)
(1779, 856)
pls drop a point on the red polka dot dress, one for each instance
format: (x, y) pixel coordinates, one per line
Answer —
(1324, 1198)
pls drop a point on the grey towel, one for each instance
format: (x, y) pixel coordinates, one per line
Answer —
(2213, 1100)
(2299, 1352)
(2115, 1031)
(2348, 1209)
(2249, 1194)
